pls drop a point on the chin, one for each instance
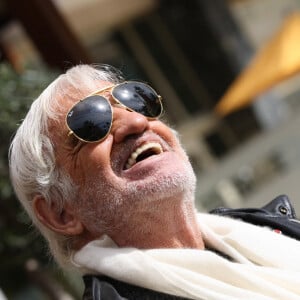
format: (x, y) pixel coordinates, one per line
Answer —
(117, 201)
(166, 183)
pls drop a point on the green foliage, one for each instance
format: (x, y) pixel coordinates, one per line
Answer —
(18, 243)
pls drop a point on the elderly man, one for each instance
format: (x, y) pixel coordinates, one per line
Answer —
(111, 189)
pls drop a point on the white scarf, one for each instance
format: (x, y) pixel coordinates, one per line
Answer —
(265, 265)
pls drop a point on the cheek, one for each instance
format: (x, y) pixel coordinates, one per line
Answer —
(171, 137)
(93, 160)
(101, 206)
(98, 152)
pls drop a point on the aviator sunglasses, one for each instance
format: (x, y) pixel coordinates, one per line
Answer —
(90, 119)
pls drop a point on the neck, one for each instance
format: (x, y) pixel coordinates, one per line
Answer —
(169, 224)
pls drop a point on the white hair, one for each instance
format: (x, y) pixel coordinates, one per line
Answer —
(32, 162)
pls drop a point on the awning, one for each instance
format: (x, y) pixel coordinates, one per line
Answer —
(278, 60)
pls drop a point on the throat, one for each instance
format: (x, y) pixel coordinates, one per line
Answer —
(161, 228)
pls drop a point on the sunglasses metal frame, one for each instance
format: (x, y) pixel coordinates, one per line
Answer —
(117, 102)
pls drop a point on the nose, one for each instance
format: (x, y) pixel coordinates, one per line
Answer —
(127, 123)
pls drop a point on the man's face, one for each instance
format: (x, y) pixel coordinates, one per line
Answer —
(138, 164)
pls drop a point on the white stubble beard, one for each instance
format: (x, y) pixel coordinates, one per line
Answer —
(114, 202)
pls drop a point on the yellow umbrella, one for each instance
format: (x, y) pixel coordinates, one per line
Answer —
(276, 61)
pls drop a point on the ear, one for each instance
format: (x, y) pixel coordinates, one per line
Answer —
(65, 222)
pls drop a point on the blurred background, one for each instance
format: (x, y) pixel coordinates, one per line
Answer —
(228, 72)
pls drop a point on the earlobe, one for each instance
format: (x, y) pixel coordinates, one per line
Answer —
(62, 221)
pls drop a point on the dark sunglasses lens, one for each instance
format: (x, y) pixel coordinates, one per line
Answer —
(139, 97)
(90, 119)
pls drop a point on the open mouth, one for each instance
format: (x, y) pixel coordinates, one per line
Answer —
(143, 152)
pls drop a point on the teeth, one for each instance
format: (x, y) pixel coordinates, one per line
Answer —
(132, 159)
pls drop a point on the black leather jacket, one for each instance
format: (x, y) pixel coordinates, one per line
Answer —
(106, 288)
(279, 214)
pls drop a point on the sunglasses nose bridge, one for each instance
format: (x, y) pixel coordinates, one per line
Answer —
(114, 102)
(117, 104)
